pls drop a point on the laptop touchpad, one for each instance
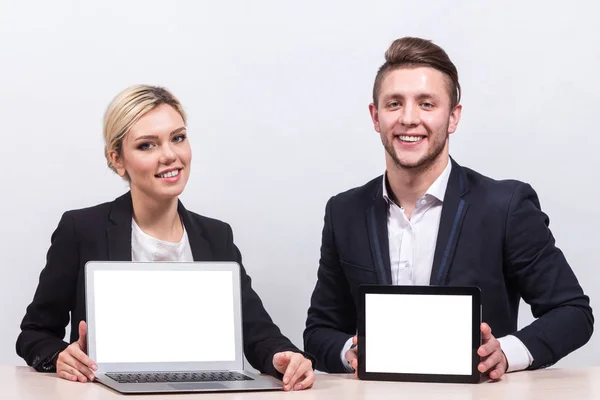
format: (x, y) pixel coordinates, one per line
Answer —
(198, 386)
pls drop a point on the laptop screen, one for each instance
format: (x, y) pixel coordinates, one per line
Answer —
(163, 316)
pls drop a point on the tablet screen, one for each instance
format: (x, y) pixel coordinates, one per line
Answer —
(418, 334)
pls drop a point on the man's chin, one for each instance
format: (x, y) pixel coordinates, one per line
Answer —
(417, 161)
(410, 162)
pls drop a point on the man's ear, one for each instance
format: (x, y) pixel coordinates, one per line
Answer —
(374, 116)
(454, 118)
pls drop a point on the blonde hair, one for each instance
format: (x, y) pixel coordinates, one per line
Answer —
(127, 108)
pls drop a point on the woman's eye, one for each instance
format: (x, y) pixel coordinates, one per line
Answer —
(179, 138)
(145, 146)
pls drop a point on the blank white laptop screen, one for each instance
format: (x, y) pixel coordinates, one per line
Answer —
(418, 334)
(164, 316)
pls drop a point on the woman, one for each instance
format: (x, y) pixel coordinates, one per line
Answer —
(146, 144)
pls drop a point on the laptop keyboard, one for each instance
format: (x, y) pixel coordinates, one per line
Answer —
(157, 377)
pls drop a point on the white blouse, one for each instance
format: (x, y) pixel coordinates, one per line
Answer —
(147, 248)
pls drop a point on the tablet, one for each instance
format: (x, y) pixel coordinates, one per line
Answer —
(419, 333)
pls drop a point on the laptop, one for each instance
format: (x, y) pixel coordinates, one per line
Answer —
(168, 327)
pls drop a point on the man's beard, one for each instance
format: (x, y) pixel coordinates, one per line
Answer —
(422, 163)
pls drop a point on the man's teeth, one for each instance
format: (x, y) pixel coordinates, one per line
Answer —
(410, 138)
(169, 174)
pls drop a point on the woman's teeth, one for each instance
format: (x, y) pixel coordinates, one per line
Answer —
(169, 174)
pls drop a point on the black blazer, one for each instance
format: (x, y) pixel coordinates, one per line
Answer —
(103, 233)
(492, 234)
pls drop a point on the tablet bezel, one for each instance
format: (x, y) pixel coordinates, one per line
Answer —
(472, 291)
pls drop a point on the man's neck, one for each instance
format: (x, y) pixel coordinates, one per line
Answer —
(410, 184)
(157, 218)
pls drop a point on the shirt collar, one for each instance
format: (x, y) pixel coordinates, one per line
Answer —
(437, 188)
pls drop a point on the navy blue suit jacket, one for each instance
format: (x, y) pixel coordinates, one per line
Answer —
(492, 234)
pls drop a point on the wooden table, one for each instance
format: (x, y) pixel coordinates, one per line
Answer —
(24, 383)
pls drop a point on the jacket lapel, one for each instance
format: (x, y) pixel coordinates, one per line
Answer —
(376, 216)
(119, 234)
(454, 210)
(201, 250)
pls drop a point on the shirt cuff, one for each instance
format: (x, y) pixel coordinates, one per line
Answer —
(517, 355)
(345, 362)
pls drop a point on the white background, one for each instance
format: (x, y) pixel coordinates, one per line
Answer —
(277, 94)
(431, 334)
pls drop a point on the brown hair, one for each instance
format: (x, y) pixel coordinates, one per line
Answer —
(410, 52)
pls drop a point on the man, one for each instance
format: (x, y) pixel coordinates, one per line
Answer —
(428, 220)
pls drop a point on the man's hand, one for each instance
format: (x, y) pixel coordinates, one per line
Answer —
(297, 370)
(352, 355)
(493, 360)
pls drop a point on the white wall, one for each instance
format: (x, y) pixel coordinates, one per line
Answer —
(277, 94)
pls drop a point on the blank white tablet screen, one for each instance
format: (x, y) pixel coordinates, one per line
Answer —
(164, 316)
(418, 334)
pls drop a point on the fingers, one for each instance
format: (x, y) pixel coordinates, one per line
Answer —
(295, 361)
(79, 366)
(78, 354)
(493, 359)
(65, 375)
(497, 372)
(309, 378)
(486, 332)
(74, 365)
(352, 357)
(355, 340)
(488, 348)
(281, 360)
(303, 369)
(351, 354)
(82, 335)
(294, 366)
(490, 362)
(68, 371)
(496, 361)
(354, 365)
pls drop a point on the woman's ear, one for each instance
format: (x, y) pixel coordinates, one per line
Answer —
(117, 163)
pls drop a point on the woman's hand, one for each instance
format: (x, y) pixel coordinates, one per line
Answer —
(73, 363)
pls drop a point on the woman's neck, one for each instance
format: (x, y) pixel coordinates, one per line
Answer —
(157, 217)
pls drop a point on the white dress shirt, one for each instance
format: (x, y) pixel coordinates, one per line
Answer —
(412, 247)
(147, 248)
